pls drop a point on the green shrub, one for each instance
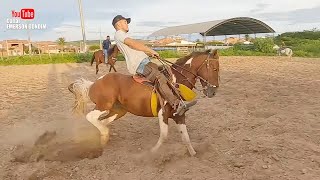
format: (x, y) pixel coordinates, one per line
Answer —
(244, 47)
(264, 45)
(94, 47)
(46, 59)
(303, 44)
(169, 54)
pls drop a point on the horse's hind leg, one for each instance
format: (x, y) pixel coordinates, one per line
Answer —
(180, 121)
(163, 123)
(114, 114)
(93, 117)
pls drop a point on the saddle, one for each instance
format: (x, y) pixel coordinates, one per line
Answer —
(186, 93)
(142, 80)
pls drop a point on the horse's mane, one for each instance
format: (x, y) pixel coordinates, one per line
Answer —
(183, 60)
(110, 50)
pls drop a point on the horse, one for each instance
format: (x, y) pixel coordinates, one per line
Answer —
(115, 94)
(286, 51)
(98, 56)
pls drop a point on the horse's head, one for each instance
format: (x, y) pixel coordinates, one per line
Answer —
(112, 54)
(206, 66)
(203, 66)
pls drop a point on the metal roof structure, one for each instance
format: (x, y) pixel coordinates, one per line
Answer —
(233, 26)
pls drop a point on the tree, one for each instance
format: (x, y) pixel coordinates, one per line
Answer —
(61, 42)
(264, 45)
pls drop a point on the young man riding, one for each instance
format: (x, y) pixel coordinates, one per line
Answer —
(138, 62)
(106, 45)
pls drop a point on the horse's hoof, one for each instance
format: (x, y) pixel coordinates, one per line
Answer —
(192, 153)
(154, 150)
(104, 140)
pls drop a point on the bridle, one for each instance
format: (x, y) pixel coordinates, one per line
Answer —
(196, 76)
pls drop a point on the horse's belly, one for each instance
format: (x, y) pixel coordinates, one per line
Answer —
(137, 101)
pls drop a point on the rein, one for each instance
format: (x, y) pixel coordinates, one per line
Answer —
(207, 61)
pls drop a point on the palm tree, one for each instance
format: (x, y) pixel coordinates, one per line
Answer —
(61, 41)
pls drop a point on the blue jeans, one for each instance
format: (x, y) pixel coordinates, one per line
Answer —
(105, 51)
(141, 66)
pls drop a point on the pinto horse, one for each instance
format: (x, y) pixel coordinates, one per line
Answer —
(287, 51)
(98, 56)
(115, 94)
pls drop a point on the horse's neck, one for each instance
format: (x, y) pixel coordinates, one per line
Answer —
(182, 76)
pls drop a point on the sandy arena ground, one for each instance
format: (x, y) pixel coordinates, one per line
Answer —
(264, 123)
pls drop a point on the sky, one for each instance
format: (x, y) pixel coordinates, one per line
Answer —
(63, 20)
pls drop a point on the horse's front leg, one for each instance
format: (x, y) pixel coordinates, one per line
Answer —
(182, 128)
(114, 68)
(163, 123)
(97, 68)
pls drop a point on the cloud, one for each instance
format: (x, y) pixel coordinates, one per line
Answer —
(63, 19)
(299, 16)
(156, 23)
(260, 7)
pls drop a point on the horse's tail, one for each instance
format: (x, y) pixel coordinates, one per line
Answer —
(92, 59)
(291, 52)
(80, 88)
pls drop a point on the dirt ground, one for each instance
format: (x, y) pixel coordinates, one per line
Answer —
(264, 123)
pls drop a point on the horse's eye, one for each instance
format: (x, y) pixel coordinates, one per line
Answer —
(215, 69)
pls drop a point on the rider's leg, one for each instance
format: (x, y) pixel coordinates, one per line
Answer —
(152, 73)
(105, 51)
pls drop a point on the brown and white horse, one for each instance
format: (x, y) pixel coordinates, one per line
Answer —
(115, 94)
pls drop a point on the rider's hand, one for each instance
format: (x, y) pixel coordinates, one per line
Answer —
(155, 54)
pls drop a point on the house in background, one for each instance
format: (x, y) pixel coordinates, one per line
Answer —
(13, 47)
(47, 47)
(16, 47)
(174, 43)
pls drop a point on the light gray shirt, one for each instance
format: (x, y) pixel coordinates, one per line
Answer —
(132, 56)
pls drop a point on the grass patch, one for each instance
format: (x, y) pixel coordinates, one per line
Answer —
(46, 59)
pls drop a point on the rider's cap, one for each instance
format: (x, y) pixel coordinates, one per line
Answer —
(118, 18)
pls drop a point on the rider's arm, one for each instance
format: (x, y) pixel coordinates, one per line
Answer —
(134, 44)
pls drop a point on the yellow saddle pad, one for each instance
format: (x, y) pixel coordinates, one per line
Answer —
(186, 93)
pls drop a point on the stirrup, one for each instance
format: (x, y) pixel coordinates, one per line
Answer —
(182, 108)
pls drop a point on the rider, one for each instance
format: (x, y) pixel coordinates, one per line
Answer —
(106, 45)
(138, 62)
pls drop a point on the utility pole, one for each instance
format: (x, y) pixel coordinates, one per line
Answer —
(29, 42)
(82, 26)
(100, 39)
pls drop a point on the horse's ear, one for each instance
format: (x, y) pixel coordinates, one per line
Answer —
(214, 54)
